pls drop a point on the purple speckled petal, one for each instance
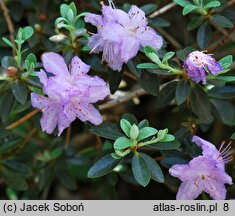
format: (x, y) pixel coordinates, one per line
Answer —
(137, 17)
(215, 189)
(78, 68)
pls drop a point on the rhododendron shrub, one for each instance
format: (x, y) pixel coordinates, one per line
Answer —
(105, 100)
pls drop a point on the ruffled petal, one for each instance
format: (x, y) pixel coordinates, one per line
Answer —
(42, 77)
(94, 19)
(208, 148)
(181, 172)
(54, 63)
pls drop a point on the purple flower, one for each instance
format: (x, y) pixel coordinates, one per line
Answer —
(121, 34)
(198, 64)
(204, 173)
(70, 93)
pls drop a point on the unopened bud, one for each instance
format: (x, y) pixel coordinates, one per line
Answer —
(58, 38)
(12, 71)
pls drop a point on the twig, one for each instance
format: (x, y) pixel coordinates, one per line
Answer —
(172, 40)
(112, 103)
(131, 76)
(9, 22)
(223, 31)
(163, 9)
(68, 136)
(20, 146)
(23, 119)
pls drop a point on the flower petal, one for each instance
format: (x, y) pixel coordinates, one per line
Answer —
(54, 63)
(188, 191)
(129, 48)
(216, 189)
(39, 102)
(94, 19)
(149, 37)
(77, 67)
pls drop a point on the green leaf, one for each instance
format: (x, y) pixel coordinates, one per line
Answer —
(204, 35)
(14, 180)
(31, 58)
(126, 126)
(154, 168)
(161, 134)
(200, 102)
(168, 138)
(131, 118)
(147, 66)
(212, 4)
(27, 32)
(182, 3)
(143, 123)
(233, 136)
(168, 56)
(140, 170)
(134, 132)
(182, 54)
(65, 177)
(224, 111)
(8, 146)
(8, 42)
(166, 95)
(19, 90)
(17, 167)
(225, 92)
(6, 105)
(115, 79)
(189, 8)
(225, 78)
(158, 22)
(149, 8)
(149, 50)
(222, 21)
(132, 67)
(122, 143)
(103, 166)
(146, 132)
(166, 145)
(64, 8)
(195, 22)
(149, 82)
(226, 62)
(182, 91)
(107, 130)
(70, 15)
(72, 6)
(8, 61)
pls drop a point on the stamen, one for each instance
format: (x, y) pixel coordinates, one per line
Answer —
(225, 152)
(111, 4)
(97, 44)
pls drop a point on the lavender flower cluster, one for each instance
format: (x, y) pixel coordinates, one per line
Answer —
(70, 93)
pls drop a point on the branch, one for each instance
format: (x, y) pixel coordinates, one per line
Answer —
(112, 103)
(8, 21)
(162, 10)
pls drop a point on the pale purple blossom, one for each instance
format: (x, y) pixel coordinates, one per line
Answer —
(70, 93)
(120, 35)
(204, 173)
(198, 65)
